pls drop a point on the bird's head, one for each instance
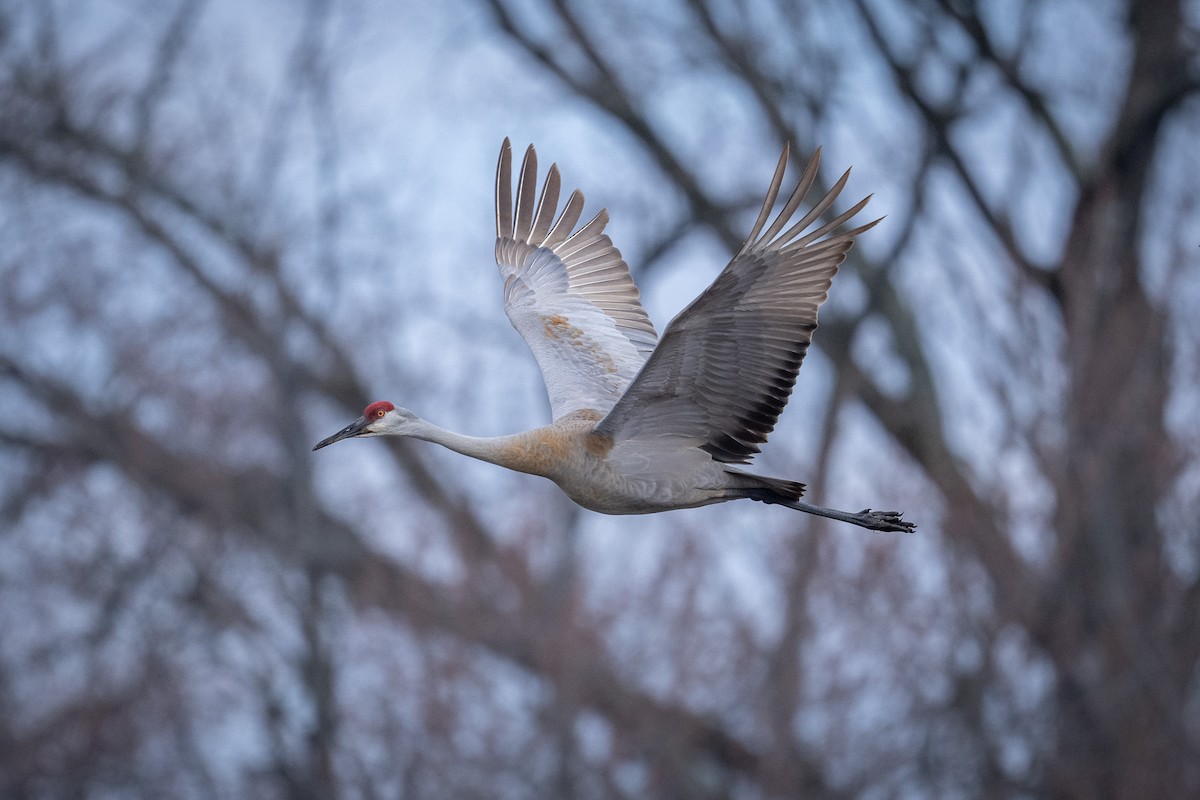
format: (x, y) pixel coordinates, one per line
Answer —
(378, 419)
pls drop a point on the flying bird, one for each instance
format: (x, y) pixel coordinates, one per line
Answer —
(643, 424)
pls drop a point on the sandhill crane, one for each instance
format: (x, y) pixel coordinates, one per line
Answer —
(643, 425)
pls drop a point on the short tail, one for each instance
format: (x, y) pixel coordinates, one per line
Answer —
(769, 490)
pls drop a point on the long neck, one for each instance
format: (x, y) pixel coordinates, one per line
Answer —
(506, 451)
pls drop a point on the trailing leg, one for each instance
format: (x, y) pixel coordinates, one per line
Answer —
(890, 521)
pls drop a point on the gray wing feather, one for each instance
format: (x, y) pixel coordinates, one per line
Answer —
(726, 365)
(567, 292)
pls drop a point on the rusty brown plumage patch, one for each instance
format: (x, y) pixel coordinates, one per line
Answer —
(598, 444)
(557, 326)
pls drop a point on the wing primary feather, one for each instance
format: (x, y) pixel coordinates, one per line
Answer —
(772, 193)
(546, 207)
(836, 222)
(566, 221)
(816, 211)
(806, 181)
(504, 218)
(841, 238)
(581, 237)
(526, 192)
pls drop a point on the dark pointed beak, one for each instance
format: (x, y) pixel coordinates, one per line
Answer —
(353, 429)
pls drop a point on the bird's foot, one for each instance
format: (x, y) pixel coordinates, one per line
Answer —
(885, 521)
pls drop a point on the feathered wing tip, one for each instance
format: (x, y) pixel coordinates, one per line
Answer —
(771, 239)
(532, 221)
(504, 224)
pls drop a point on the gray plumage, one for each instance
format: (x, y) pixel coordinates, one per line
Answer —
(642, 425)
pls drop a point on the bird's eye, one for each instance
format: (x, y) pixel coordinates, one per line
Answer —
(380, 413)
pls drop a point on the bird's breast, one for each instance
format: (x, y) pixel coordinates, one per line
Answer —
(581, 461)
(557, 451)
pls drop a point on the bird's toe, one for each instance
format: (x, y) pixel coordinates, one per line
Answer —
(887, 521)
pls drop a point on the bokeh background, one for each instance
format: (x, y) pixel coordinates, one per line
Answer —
(226, 226)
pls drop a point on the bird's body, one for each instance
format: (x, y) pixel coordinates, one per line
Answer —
(591, 470)
(640, 424)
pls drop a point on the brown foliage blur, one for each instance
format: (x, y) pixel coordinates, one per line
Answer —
(191, 607)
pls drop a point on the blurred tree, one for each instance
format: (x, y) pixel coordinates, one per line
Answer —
(187, 609)
(1084, 324)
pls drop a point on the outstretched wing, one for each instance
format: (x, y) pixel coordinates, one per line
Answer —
(727, 363)
(568, 293)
